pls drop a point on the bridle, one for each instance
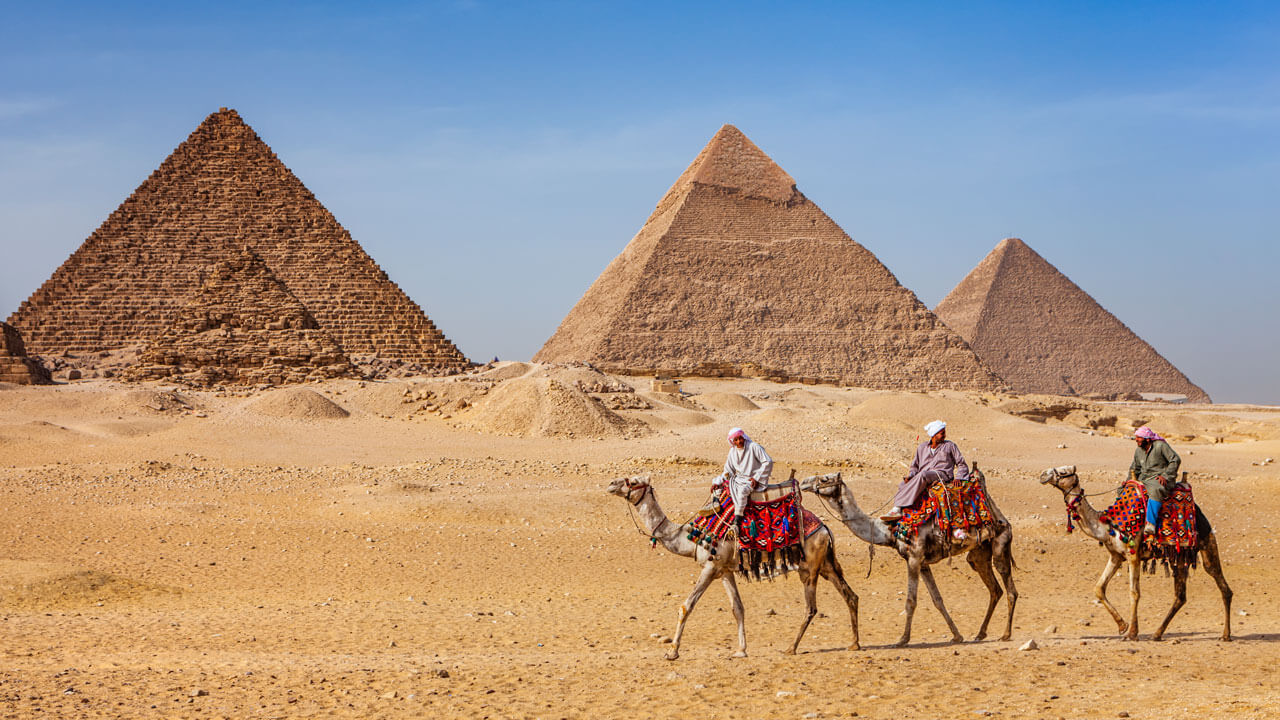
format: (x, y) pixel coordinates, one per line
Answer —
(633, 485)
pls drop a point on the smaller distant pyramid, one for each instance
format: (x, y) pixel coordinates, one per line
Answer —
(1043, 334)
(242, 327)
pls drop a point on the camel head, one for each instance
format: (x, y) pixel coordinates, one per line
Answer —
(1064, 478)
(827, 486)
(631, 488)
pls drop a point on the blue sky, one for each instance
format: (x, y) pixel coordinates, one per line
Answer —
(494, 156)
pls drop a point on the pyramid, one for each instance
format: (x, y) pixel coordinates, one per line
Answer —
(243, 327)
(223, 188)
(738, 273)
(1043, 334)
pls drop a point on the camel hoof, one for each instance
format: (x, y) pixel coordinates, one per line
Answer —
(1130, 637)
(1226, 638)
(855, 646)
(672, 655)
(789, 651)
(1157, 637)
(957, 639)
(980, 637)
(1122, 627)
(740, 654)
(1006, 637)
(901, 643)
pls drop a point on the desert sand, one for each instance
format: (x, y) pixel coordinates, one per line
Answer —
(444, 548)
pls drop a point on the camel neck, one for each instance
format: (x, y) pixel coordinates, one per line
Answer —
(1088, 517)
(672, 536)
(867, 528)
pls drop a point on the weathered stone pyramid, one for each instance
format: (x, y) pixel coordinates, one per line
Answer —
(737, 272)
(1043, 334)
(223, 188)
(242, 327)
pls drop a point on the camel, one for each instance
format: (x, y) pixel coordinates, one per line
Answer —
(1065, 479)
(819, 554)
(930, 546)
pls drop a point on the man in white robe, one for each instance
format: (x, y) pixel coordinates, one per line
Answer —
(747, 468)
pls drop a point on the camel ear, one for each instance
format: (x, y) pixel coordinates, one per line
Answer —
(839, 474)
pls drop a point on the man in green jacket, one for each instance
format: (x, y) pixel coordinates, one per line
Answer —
(1155, 464)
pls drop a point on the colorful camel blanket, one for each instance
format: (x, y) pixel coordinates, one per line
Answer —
(770, 538)
(959, 505)
(1175, 539)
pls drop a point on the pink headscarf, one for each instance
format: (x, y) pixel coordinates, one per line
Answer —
(737, 433)
(1147, 433)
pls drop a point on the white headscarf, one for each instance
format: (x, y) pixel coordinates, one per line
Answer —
(934, 428)
(738, 432)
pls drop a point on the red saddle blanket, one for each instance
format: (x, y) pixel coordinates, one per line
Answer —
(1128, 514)
(958, 505)
(770, 538)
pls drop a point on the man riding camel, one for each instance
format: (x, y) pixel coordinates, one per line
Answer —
(746, 469)
(1155, 465)
(937, 460)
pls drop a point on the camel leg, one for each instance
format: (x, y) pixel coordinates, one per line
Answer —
(709, 572)
(1179, 598)
(1100, 590)
(913, 584)
(980, 560)
(934, 593)
(810, 580)
(832, 572)
(1135, 594)
(735, 601)
(1002, 556)
(1213, 565)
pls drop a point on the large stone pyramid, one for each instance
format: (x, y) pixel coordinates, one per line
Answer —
(242, 327)
(1043, 334)
(223, 188)
(737, 272)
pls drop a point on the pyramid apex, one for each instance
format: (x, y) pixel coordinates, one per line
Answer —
(731, 161)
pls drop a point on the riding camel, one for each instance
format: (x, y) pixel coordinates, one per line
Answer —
(1065, 479)
(929, 546)
(819, 560)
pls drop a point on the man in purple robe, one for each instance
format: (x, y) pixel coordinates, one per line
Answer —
(937, 460)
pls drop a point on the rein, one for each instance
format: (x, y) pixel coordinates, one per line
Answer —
(1073, 500)
(653, 536)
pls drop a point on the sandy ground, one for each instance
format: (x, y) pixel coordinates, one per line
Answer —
(442, 549)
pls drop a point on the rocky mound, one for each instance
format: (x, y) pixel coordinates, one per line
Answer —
(544, 407)
(296, 404)
(726, 402)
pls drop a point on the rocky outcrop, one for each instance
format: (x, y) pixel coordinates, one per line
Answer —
(736, 272)
(223, 188)
(1043, 334)
(15, 366)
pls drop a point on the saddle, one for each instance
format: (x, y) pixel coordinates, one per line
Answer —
(772, 532)
(957, 505)
(1177, 531)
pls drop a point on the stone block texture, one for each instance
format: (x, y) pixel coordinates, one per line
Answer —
(242, 327)
(15, 366)
(737, 273)
(223, 189)
(1043, 334)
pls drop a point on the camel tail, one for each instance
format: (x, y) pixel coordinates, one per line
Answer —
(871, 558)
